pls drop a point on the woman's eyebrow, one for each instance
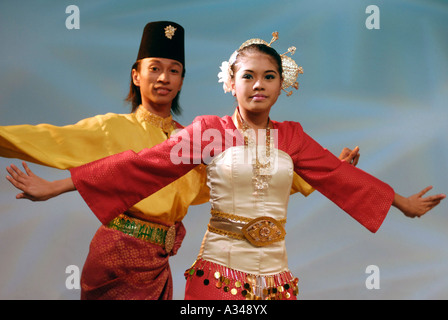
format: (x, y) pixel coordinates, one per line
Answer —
(267, 71)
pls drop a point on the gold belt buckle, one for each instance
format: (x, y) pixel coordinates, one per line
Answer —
(263, 231)
(170, 238)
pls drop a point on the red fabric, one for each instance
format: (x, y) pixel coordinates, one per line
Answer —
(121, 267)
(366, 198)
(196, 290)
(112, 185)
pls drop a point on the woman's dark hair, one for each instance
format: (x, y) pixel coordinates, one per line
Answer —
(135, 99)
(262, 48)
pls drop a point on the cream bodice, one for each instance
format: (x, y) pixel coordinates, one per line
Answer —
(230, 179)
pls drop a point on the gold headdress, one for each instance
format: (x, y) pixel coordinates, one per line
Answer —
(290, 69)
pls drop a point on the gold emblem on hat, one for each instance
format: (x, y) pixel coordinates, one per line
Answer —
(169, 31)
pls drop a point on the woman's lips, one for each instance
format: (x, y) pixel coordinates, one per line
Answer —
(258, 97)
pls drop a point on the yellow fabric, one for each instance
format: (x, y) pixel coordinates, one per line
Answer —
(100, 136)
(300, 185)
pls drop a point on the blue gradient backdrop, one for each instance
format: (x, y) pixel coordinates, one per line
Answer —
(385, 90)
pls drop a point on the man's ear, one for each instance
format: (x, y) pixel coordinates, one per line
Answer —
(136, 77)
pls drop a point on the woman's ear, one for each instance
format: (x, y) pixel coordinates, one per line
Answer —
(136, 77)
(281, 86)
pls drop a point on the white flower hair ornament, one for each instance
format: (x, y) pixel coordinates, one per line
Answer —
(290, 69)
(225, 76)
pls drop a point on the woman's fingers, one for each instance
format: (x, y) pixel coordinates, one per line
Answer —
(27, 169)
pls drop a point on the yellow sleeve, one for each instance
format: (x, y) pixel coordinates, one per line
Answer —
(300, 185)
(202, 194)
(59, 147)
(95, 138)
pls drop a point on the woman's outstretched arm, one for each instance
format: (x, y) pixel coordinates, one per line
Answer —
(35, 188)
(416, 205)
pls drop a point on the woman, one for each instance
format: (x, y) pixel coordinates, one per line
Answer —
(250, 164)
(156, 81)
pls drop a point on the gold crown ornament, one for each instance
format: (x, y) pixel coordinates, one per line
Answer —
(290, 68)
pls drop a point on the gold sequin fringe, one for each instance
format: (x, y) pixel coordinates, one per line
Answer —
(253, 287)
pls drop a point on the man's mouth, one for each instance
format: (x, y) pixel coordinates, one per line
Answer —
(162, 91)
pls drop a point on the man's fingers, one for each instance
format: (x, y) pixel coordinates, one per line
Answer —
(356, 159)
(352, 155)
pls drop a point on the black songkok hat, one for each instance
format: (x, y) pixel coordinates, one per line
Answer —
(163, 39)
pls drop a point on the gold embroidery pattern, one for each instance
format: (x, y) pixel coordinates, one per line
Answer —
(166, 124)
(147, 231)
(227, 233)
(235, 217)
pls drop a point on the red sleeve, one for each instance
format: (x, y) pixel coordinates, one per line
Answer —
(358, 193)
(112, 185)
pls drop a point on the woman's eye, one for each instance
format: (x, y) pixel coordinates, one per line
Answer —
(247, 76)
(270, 77)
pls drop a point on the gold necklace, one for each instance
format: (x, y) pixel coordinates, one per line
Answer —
(261, 171)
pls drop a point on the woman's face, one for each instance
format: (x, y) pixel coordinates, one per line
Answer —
(159, 79)
(257, 82)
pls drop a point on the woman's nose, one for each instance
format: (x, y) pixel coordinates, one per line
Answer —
(258, 85)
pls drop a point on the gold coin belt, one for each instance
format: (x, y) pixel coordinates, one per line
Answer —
(252, 287)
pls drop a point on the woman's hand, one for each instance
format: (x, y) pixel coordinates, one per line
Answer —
(350, 156)
(34, 187)
(416, 205)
